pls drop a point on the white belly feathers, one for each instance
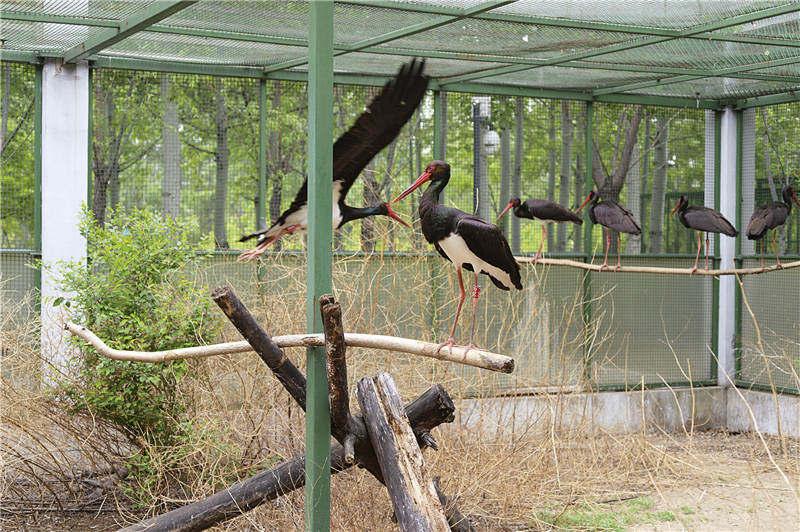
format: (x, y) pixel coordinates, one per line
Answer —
(459, 253)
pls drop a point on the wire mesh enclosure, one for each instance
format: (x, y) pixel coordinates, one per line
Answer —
(183, 106)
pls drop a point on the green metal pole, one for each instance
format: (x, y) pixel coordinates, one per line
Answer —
(37, 182)
(737, 295)
(587, 240)
(320, 181)
(261, 215)
(715, 280)
(438, 122)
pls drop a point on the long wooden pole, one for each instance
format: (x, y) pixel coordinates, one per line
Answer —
(657, 270)
(473, 357)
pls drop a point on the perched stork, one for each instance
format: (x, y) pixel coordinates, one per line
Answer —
(543, 210)
(375, 129)
(770, 216)
(702, 219)
(611, 215)
(465, 240)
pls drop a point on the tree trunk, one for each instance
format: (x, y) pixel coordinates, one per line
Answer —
(551, 168)
(633, 200)
(580, 177)
(6, 101)
(371, 197)
(645, 179)
(171, 152)
(773, 191)
(566, 167)
(517, 177)
(222, 159)
(391, 152)
(275, 165)
(107, 148)
(505, 176)
(659, 185)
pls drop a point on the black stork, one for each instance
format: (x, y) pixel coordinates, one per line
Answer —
(770, 216)
(543, 210)
(702, 219)
(610, 215)
(375, 129)
(465, 240)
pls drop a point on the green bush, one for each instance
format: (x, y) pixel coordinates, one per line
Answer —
(136, 293)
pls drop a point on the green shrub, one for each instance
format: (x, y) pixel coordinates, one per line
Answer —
(136, 293)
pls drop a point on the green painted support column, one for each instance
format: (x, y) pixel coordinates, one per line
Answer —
(587, 237)
(737, 293)
(320, 208)
(261, 207)
(438, 125)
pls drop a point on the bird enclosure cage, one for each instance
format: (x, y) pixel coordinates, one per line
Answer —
(200, 111)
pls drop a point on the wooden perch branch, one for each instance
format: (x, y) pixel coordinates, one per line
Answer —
(414, 498)
(429, 410)
(658, 270)
(474, 357)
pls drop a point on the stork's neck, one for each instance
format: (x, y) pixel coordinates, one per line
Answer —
(354, 213)
(430, 198)
(787, 197)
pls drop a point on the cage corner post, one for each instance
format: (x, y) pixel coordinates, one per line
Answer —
(64, 188)
(728, 204)
(320, 180)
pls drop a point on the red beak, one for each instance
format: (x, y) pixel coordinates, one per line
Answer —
(394, 216)
(508, 208)
(675, 208)
(584, 203)
(424, 176)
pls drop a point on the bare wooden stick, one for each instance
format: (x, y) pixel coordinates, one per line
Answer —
(657, 270)
(272, 355)
(430, 409)
(414, 497)
(473, 357)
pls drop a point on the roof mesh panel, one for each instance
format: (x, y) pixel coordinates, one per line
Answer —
(586, 45)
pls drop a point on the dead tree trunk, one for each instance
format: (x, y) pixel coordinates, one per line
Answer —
(659, 185)
(414, 499)
(171, 152)
(551, 167)
(505, 175)
(371, 197)
(516, 188)
(221, 158)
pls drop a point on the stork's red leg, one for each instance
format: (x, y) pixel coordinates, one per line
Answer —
(619, 260)
(697, 257)
(541, 244)
(707, 243)
(476, 293)
(608, 245)
(462, 296)
(775, 247)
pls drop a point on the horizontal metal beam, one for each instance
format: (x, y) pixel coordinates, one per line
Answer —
(136, 22)
(723, 72)
(399, 33)
(18, 56)
(630, 44)
(772, 99)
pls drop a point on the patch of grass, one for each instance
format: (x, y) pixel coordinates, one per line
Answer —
(687, 510)
(595, 517)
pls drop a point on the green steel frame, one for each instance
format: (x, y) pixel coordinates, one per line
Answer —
(320, 242)
(715, 280)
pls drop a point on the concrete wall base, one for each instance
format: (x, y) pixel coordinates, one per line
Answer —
(675, 410)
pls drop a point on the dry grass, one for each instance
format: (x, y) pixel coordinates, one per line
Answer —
(534, 475)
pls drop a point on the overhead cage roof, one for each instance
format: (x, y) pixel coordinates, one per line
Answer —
(703, 53)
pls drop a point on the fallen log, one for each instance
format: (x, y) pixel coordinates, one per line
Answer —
(414, 498)
(656, 270)
(429, 410)
(472, 357)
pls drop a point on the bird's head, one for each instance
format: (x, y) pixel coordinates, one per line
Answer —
(680, 205)
(435, 172)
(386, 210)
(591, 197)
(513, 203)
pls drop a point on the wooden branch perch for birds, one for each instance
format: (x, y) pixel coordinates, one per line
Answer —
(654, 269)
(472, 357)
(427, 412)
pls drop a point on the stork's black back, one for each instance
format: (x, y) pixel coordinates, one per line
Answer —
(611, 214)
(770, 216)
(546, 210)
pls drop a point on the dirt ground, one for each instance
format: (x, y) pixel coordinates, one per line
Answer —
(729, 484)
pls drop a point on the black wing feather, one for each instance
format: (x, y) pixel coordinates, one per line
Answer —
(379, 124)
(709, 220)
(488, 243)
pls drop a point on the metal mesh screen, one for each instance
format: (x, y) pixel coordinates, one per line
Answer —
(17, 189)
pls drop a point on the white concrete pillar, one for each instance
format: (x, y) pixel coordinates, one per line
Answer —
(65, 129)
(727, 247)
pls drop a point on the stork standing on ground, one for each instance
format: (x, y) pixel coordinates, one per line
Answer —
(702, 219)
(610, 215)
(771, 216)
(375, 129)
(465, 240)
(548, 211)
